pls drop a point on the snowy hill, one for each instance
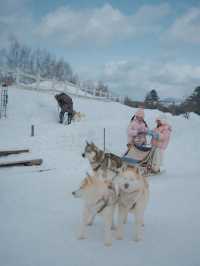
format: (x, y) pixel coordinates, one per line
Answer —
(40, 218)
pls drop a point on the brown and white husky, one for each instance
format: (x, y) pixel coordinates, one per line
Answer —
(105, 165)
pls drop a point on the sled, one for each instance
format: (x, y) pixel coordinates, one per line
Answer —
(22, 163)
(141, 156)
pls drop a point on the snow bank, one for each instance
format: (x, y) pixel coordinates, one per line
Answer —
(39, 217)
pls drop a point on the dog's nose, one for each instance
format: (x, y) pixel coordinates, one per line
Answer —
(73, 193)
(126, 185)
(83, 155)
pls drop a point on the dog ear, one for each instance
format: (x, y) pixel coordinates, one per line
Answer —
(87, 143)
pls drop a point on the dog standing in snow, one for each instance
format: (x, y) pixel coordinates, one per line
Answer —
(133, 197)
(104, 165)
(99, 198)
(132, 190)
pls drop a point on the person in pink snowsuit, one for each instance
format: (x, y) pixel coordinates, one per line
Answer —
(160, 139)
(137, 129)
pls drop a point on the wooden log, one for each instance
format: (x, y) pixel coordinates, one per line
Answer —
(6, 153)
(22, 163)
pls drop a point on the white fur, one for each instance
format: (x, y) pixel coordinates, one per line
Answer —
(91, 195)
(135, 195)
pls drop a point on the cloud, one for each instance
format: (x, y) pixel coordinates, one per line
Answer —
(106, 25)
(13, 7)
(185, 28)
(101, 26)
(15, 20)
(136, 78)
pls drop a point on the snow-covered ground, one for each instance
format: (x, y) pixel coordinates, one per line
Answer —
(40, 218)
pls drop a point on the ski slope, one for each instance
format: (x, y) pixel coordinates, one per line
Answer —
(39, 216)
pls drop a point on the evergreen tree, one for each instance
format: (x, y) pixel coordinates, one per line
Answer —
(152, 96)
(192, 103)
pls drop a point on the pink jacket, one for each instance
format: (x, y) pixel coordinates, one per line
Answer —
(164, 132)
(135, 127)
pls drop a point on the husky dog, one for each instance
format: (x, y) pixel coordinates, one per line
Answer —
(99, 198)
(78, 116)
(133, 197)
(106, 165)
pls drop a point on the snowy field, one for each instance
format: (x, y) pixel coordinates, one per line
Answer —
(40, 218)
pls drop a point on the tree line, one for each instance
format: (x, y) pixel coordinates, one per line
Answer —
(36, 61)
(152, 101)
(40, 61)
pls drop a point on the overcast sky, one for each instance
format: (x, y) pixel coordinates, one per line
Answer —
(133, 46)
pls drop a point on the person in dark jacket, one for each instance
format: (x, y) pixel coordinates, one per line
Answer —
(66, 104)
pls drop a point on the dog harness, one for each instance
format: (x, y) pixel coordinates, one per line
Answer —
(104, 160)
(106, 201)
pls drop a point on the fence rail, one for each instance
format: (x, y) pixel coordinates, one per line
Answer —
(53, 86)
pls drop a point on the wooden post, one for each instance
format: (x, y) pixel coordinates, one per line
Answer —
(32, 130)
(104, 139)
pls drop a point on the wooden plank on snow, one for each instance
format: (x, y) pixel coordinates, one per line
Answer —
(6, 153)
(22, 163)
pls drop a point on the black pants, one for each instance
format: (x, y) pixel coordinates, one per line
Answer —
(69, 117)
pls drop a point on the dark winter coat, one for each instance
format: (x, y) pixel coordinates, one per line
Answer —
(65, 102)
